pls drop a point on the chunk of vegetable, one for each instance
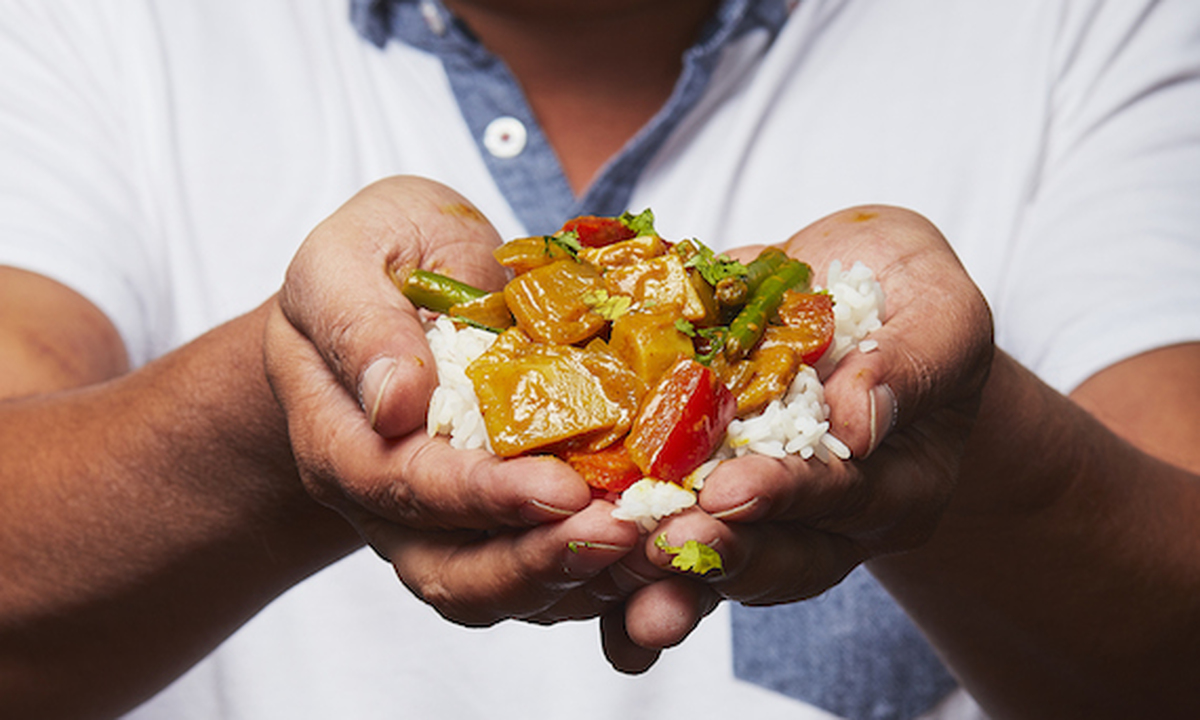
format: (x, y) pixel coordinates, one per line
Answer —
(534, 395)
(609, 469)
(809, 322)
(773, 364)
(657, 284)
(681, 423)
(549, 303)
(626, 252)
(747, 328)
(764, 376)
(489, 311)
(733, 291)
(524, 254)
(649, 343)
(598, 231)
(434, 291)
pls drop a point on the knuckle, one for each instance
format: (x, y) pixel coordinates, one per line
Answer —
(406, 495)
(335, 341)
(321, 489)
(452, 607)
(438, 590)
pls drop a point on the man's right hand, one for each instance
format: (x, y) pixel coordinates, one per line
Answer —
(480, 538)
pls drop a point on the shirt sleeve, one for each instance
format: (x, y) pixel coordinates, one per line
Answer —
(70, 206)
(1107, 262)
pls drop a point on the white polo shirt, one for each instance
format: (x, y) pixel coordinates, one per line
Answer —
(166, 159)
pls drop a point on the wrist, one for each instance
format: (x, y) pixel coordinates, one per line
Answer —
(229, 441)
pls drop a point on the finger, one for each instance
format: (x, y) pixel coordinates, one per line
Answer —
(919, 366)
(575, 604)
(624, 578)
(774, 563)
(662, 614)
(935, 345)
(606, 589)
(833, 496)
(590, 600)
(416, 480)
(477, 579)
(622, 652)
(763, 488)
(764, 563)
(891, 501)
(659, 616)
(618, 582)
(339, 292)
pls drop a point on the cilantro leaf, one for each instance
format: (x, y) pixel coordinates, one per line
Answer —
(609, 307)
(711, 266)
(692, 556)
(709, 340)
(642, 223)
(568, 241)
(714, 342)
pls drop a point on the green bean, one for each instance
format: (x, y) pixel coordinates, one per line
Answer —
(436, 292)
(751, 322)
(733, 291)
(761, 267)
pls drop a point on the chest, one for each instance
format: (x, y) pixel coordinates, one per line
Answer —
(852, 103)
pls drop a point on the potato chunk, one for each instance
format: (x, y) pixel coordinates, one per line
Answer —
(548, 302)
(649, 343)
(535, 396)
(658, 285)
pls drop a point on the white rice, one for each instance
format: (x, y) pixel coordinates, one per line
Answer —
(795, 425)
(647, 501)
(454, 408)
(857, 308)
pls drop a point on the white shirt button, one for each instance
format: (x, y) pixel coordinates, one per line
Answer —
(505, 137)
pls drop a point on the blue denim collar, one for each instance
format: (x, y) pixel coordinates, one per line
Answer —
(533, 181)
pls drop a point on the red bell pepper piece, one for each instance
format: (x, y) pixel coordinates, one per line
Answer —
(681, 422)
(609, 470)
(596, 231)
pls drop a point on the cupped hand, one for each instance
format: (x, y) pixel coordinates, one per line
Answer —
(479, 538)
(788, 529)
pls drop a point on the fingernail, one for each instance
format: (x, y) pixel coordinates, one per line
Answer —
(584, 559)
(537, 512)
(883, 414)
(373, 384)
(626, 579)
(739, 511)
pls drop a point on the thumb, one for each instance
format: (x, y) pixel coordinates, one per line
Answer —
(339, 294)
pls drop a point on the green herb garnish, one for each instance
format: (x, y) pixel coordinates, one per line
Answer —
(713, 339)
(642, 223)
(713, 267)
(692, 556)
(609, 307)
(567, 240)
